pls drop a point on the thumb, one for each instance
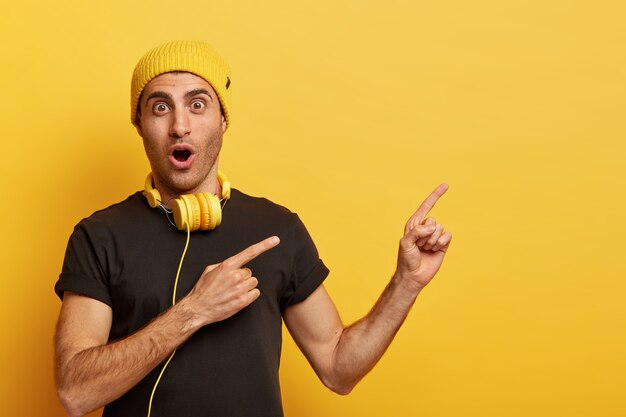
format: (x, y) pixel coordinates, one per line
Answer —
(408, 243)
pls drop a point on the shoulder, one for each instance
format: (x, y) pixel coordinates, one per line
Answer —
(132, 203)
(258, 215)
(250, 203)
(119, 215)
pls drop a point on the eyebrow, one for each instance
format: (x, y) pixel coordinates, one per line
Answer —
(198, 91)
(188, 94)
(158, 94)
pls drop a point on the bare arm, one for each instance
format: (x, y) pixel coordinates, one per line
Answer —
(91, 373)
(342, 356)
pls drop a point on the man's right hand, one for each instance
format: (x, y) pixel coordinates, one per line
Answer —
(224, 289)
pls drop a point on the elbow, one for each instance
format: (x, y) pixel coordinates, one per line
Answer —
(71, 394)
(345, 390)
(70, 402)
(338, 386)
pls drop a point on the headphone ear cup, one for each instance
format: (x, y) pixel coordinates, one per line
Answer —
(193, 210)
(215, 211)
(186, 211)
(179, 209)
(205, 215)
(211, 211)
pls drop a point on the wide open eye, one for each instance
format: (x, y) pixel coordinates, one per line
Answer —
(197, 105)
(160, 107)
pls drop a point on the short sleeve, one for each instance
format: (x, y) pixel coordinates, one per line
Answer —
(308, 271)
(82, 270)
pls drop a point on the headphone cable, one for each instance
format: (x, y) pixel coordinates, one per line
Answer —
(180, 266)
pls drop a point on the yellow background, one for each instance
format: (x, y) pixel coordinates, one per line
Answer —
(350, 113)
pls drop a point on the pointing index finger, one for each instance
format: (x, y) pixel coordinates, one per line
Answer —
(251, 252)
(427, 205)
(430, 201)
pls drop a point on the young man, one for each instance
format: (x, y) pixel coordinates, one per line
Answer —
(141, 288)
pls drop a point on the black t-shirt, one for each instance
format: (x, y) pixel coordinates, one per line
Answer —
(127, 256)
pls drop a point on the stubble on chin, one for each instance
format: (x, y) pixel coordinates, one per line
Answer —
(178, 182)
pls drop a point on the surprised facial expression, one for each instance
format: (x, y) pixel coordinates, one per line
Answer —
(181, 124)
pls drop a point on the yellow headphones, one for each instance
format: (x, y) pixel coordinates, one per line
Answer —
(200, 211)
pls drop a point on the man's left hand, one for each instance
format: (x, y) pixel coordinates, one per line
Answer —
(424, 244)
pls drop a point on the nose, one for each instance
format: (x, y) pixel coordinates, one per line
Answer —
(180, 126)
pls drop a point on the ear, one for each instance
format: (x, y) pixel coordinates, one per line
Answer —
(223, 123)
(137, 124)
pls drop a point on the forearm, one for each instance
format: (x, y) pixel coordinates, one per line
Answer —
(363, 343)
(92, 377)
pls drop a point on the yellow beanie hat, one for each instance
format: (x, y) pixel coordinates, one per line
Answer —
(198, 58)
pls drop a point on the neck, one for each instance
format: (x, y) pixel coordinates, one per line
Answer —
(210, 184)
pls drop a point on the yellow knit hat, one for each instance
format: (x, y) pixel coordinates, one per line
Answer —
(198, 58)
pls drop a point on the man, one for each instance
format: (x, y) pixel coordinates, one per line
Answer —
(126, 309)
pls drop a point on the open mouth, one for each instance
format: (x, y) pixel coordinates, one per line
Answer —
(181, 155)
